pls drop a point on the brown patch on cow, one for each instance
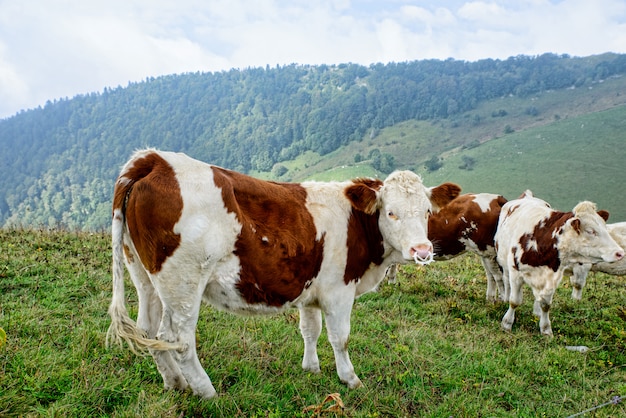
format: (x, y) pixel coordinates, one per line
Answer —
(277, 245)
(128, 254)
(149, 195)
(443, 194)
(604, 214)
(511, 209)
(362, 194)
(365, 244)
(463, 218)
(515, 260)
(544, 234)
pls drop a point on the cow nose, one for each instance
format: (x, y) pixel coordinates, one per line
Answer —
(619, 255)
(422, 251)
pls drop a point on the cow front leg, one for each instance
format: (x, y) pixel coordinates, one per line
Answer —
(515, 299)
(578, 280)
(338, 328)
(541, 308)
(310, 328)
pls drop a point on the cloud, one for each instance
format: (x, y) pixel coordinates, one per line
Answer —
(53, 49)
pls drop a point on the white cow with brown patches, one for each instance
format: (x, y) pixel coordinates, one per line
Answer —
(535, 244)
(578, 278)
(468, 224)
(190, 232)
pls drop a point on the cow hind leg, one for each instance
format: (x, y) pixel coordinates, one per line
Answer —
(178, 326)
(181, 307)
(310, 328)
(495, 286)
(148, 319)
(515, 299)
(338, 329)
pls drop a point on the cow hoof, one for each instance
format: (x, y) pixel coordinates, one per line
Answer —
(177, 383)
(577, 294)
(312, 369)
(353, 383)
(209, 393)
(506, 326)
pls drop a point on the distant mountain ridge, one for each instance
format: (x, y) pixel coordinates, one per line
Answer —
(59, 162)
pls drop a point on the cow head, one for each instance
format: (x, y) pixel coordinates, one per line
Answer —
(593, 243)
(403, 204)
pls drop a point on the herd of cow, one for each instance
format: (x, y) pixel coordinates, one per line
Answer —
(190, 232)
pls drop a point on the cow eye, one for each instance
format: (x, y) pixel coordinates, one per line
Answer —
(392, 215)
(591, 231)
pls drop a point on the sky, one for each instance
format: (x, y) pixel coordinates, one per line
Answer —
(56, 49)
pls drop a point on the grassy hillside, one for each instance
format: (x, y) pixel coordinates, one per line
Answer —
(563, 163)
(429, 346)
(566, 146)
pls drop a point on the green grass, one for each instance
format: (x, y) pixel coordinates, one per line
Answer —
(429, 345)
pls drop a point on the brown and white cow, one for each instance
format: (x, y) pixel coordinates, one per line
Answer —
(578, 278)
(189, 231)
(468, 224)
(535, 244)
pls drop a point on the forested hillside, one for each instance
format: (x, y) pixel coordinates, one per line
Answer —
(58, 163)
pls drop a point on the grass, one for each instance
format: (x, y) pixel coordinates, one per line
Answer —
(429, 345)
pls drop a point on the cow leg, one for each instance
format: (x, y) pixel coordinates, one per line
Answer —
(178, 326)
(338, 328)
(148, 319)
(579, 279)
(391, 273)
(541, 308)
(310, 328)
(495, 286)
(515, 299)
(181, 306)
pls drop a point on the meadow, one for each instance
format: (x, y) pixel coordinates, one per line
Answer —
(429, 345)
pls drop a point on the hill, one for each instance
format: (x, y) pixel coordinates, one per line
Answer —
(565, 145)
(290, 123)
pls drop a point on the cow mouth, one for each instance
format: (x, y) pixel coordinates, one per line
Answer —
(423, 260)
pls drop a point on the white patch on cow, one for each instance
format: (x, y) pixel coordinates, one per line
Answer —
(483, 200)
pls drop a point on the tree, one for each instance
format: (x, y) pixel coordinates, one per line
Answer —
(434, 164)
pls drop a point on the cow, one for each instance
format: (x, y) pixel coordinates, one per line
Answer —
(535, 244)
(579, 272)
(468, 224)
(189, 232)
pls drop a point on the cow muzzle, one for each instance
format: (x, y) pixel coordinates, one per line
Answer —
(422, 253)
(618, 255)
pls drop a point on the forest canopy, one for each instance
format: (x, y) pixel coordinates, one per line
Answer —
(59, 161)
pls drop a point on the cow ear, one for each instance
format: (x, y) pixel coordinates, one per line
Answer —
(576, 225)
(362, 198)
(604, 214)
(443, 194)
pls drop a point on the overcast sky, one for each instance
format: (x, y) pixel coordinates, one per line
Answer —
(52, 49)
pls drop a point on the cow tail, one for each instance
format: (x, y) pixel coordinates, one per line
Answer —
(122, 327)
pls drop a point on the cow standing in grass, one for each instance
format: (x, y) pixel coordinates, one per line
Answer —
(190, 232)
(617, 268)
(468, 224)
(535, 244)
